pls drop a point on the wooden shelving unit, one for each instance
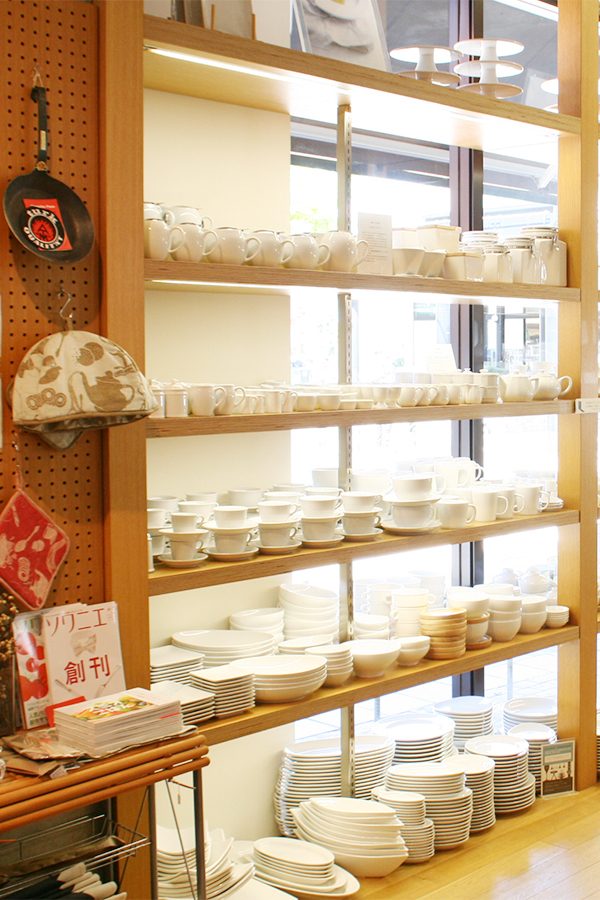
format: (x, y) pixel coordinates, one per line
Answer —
(164, 580)
(268, 715)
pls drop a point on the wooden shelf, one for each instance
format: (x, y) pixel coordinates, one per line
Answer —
(264, 76)
(266, 716)
(166, 581)
(190, 426)
(169, 275)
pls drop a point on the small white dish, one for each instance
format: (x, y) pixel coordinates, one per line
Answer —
(392, 528)
(368, 536)
(182, 563)
(276, 551)
(421, 501)
(213, 553)
(323, 545)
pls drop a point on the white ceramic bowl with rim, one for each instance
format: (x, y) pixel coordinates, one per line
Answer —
(532, 622)
(475, 605)
(505, 604)
(477, 630)
(557, 616)
(372, 658)
(504, 631)
(305, 594)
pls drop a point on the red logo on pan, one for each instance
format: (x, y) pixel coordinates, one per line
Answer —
(45, 227)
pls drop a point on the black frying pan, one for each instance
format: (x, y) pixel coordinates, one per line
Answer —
(45, 215)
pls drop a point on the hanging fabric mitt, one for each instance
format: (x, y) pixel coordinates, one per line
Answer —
(74, 380)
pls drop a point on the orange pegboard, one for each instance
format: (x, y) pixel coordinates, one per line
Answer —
(60, 38)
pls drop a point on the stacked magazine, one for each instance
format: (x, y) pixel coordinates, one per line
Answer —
(120, 720)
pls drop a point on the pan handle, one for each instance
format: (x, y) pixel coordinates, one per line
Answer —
(38, 95)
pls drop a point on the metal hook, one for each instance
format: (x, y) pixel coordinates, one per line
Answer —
(38, 81)
(65, 295)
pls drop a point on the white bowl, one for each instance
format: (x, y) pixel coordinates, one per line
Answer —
(557, 616)
(371, 622)
(504, 631)
(418, 641)
(476, 605)
(304, 594)
(505, 604)
(533, 603)
(532, 622)
(336, 679)
(373, 657)
(404, 630)
(476, 631)
(504, 615)
(493, 587)
(410, 656)
(370, 866)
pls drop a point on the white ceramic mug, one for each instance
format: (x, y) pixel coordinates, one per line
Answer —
(201, 510)
(409, 395)
(231, 401)
(232, 543)
(454, 512)
(474, 470)
(413, 516)
(272, 512)
(184, 521)
(417, 485)
(322, 530)
(230, 516)
(361, 523)
(489, 503)
(160, 239)
(276, 535)
(249, 497)
(318, 506)
(360, 501)
(176, 402)
(156, 517)
(289, 400)
(455, 472)
(308, 253)
(346, 252)
(273, 250)
(535, 499)
(233, 247)
(185, 215)
(186, 549)
(196, 243)
(377, 480)
(516, 501)
(428, 395)
(204, 398)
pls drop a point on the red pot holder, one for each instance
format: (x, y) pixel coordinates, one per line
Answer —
(32, 549)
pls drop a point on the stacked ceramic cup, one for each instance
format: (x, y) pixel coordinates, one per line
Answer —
(321, 515)
(408, 604)
(309, 611)
(361, 515)
(278, 525)
(232, 530)
(413, 503)
(447, 629)
(476, 605)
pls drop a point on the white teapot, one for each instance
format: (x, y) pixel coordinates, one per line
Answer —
(551, 386)
(517, 387)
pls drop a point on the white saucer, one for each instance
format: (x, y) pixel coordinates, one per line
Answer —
(183, 535)
(432, 498)
(275, 551)
(182, 563)
(323, 545)
(556, 503)
(364, 512)
(368, 536)
(250, 525)
(422, 529)
(231, 557)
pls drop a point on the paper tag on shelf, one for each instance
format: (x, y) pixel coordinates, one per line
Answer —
(587, 405)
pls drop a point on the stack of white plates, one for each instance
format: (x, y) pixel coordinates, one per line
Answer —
(196, 705)
(233, 689)
(537, 710)
(339, 662)
(314, 768)
(479, 776)
(514, 785)
(418, 832)
(268, 620)
(173, 664)
(281, 679)
(221, 646)
(448, 803)
(421, 737)
(301, 645)
(176, 867)
(301, 867)
(472, 716)
(536, 736)
(363, 835)
(309, 610)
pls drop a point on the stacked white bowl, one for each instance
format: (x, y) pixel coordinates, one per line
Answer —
(268, 620)
(223, 646)
(537, 736)
(314, 768)
(534, 710)
(514, 785)
(309, 610)
(304, 868)
(407, 606)
(421, 737)
(413, 649)
(281, 679)
(448, 802)
(418, 831)
(479, 776)
(533, 613)
(372, 658)
(370, 626)
(364, 836)
(298, 646)
(472, 716)
(557, 616)
(339, 662)
(505, 617)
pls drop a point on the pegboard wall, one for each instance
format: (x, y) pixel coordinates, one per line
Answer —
(60, 38)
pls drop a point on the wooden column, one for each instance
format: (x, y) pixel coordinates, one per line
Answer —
(578, 180)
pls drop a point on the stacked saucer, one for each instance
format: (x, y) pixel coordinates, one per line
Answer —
(298, 646)
(339, 662)
(421, 737)
(196, 705)
(417, 831)
(447, 629)
(268, 620)
(281, 679)
(221, 646)
(173, 664)
(233, 689)
(363, 835)
(309, 610)
(479, 776)
(514, 785)
(314, 768)
(448, 803)
(534, 710)
(472, 716)
(301, 867)
(536, 736)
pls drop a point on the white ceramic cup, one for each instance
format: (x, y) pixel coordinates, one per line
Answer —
(203, 497)
(289, 496)
(417, 485)
(308, 253)
(319, 505)
(410, 395)
(274, 399)
(204, 398)
(160, 239)
(186, 549)
(474, 470)
(489, 503)
(176, 402)
(271, 512)
(454, 512)
(472, 393)
(276, 535)
(455, 472)
(306, 402)
(329, 402)
(231, 401)
(168, 502)
(232, 543)
(413, 516)
(289, 400)
(156, 517)
(244, 496)
(185, 215)
(428, 395)
(230, 516)
(535, 499)
(360, 501)
(516, 501)
(273, 249)
(361, 523)
(196, 244)
(377, 480)
(184, 521)
(322, 530)
(346, 252)
(200, 509)
(232, 247)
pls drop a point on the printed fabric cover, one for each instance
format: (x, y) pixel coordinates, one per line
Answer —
(74, 380)
(32, 549)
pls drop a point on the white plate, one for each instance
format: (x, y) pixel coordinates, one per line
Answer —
(497, 745)
(276, 551)
(231, 557)
(389, 526)
(182, 563)
(422, 501)
(531, 708)
(323, 545)
(368, 536)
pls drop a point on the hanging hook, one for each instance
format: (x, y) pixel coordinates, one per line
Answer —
(38, 81)
(67, 297)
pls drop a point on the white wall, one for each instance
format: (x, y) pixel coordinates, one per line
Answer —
(233, 163)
